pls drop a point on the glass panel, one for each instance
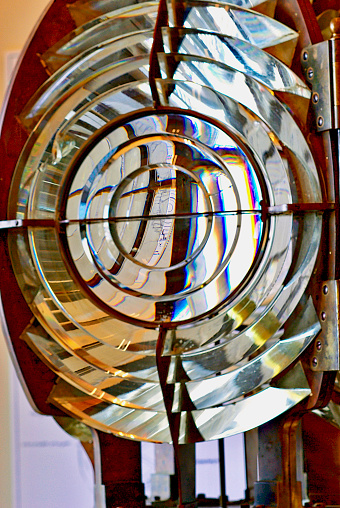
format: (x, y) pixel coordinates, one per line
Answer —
(85, 10)
(234, 53)
(167, 223)
(259, 30)
(98, 31)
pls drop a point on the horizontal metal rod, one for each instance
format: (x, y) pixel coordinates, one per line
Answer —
(270, 210)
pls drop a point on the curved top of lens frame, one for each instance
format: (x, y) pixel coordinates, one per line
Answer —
(160, 245)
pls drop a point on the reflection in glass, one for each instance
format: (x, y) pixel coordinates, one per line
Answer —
(167, 223)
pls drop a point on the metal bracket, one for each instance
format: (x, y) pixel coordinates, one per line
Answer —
(10, 224)
(321, 64)
(326, 355)
(316, 63)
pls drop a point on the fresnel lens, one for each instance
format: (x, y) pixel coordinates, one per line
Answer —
(165, 216)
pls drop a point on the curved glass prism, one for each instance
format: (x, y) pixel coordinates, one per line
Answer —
(158, 191)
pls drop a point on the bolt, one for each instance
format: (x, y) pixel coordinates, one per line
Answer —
(320, 121)
(323, 315)
(319, 345)
(315, 98)
(305, 56)
(335, 28)
(310, 73)
(325, 290)
(315, 362)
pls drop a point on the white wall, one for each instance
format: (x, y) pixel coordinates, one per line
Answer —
(50, 468)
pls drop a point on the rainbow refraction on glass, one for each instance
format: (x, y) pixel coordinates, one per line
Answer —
(157, 184)
(163, 196)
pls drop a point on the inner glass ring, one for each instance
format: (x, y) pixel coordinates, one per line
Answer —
(164, 209)
(160, 217)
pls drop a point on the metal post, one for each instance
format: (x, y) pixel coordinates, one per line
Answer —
(221, 456)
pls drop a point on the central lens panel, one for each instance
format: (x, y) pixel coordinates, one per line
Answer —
(155, 208)
(164, 210)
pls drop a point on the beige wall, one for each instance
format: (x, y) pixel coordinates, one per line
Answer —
(17, 19)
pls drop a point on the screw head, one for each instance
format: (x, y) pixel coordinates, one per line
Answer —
(323, 315)
(310, 73)
(315, 362)
(305, 55)
(319, 345)
(315, 98)
(325, 290)
(320, 121)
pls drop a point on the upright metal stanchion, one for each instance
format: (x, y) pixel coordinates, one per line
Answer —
(221, 456)
(99, 488)
(185, 465)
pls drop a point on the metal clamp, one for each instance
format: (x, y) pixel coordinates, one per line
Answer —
(321, 64)
(326, 349)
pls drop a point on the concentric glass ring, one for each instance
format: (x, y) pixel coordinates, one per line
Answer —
(172, 208)
(168, 223)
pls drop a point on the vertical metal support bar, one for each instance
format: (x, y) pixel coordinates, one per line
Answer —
(321, 64)
(99, 488)
(335, 70)
(157, 46)
(269, 464)
(221, 456)
(326, 354)
(322, 458)
(186, 459)
(251, 447)
(289, 492)
(277, 470)
(334, 45)
(121, 471)
(337, 185)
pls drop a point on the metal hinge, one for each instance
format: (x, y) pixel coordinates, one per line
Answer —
(321, 64)
(326, 354)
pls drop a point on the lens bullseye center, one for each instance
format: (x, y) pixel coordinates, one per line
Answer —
(166, 214)
(169, 214)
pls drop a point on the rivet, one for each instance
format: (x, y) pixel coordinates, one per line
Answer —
(315, 98)
(319, 345)
(320, 121)
(335, 27)
(323, 315)
(315, 362)
(325, 290)
(310, 73)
